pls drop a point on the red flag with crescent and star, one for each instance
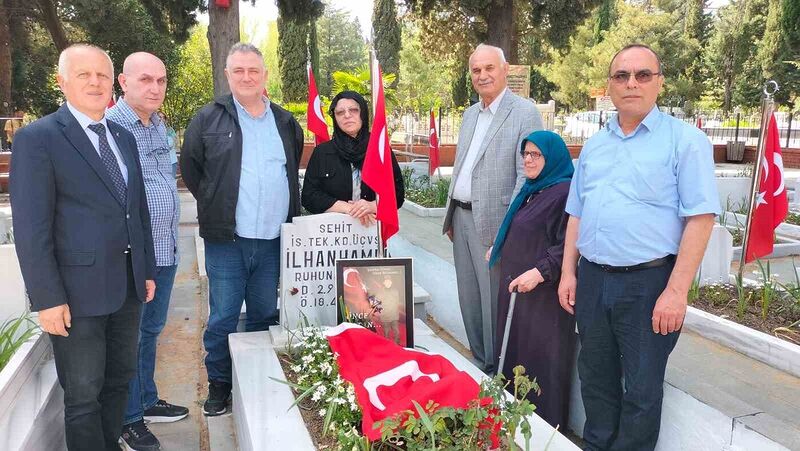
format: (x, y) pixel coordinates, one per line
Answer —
(772, 204)
(377, 171)
(433, 147)
(315, 121)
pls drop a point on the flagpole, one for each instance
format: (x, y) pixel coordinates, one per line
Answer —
(373, 64)
(767, 106)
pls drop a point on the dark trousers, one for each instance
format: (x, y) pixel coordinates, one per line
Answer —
(614, 316)
(142, 392)
(244, 270)
(94, 365)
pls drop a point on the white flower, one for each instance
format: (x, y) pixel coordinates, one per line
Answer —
(323, 412)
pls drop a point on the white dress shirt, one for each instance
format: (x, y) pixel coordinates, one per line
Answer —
(85, 122)
(463, 189)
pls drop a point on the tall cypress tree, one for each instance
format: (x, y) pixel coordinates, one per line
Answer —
(294, 26)
(386, 35)
(605, 17)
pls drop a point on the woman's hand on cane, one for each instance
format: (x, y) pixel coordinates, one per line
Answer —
(526, 282)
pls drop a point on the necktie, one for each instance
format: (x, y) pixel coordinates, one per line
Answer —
(110, 162)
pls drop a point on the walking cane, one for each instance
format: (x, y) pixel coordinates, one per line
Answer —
(507, 330)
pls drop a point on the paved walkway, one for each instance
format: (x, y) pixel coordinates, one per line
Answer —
(179, 374)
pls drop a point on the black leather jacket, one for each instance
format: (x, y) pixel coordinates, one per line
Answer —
(211, 164)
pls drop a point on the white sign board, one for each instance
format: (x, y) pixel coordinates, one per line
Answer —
(310, 246)
(604, 103)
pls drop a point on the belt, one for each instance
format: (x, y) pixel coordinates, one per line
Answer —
(646, 265)
(464, 205)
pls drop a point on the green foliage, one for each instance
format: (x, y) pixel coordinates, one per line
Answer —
(421, 191)
(294, 26)
(13, 334)
(769, 287)
(34, 87)
(293, 58)
(360, 82)
(424, 81)
(387, 35)
(341, 47)
(585, 65)
(191, 82)
(605, 17)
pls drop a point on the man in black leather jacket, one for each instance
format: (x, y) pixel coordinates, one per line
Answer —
(240, 160)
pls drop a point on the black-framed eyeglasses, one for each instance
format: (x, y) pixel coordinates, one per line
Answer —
(535, 156)
(642, 76)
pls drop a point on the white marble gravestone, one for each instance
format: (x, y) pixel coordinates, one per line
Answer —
(310, 246)
(716, 264)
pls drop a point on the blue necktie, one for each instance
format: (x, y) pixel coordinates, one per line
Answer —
(110, 161)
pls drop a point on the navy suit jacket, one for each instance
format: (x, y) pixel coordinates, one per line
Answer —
(71, 229)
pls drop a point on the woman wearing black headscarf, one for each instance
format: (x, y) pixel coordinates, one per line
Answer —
(332, 181)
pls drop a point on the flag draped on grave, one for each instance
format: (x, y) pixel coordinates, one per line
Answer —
(387, 377)
(771, 204)
(314, 117)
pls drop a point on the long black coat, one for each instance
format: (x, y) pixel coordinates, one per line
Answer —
(329, 178)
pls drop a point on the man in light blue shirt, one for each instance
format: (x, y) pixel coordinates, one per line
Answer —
(642, 205)
(240, 160)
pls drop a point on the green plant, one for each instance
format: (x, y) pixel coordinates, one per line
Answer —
(768, 287)
(13, 333)
(694, 290)
(741, 297)
(435, 427)
(422, 191)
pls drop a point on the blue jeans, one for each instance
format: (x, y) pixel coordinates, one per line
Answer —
(142, 392)
(614, 316)
(240, 270)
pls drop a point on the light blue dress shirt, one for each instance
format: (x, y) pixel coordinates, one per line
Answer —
(263, 186)
(632, 193)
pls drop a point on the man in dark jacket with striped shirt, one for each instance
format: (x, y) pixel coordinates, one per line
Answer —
(240, 160)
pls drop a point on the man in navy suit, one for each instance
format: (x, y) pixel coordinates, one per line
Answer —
(82, 233)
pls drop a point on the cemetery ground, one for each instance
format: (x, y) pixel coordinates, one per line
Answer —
(716, 396)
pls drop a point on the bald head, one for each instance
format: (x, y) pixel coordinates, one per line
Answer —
(144, 82)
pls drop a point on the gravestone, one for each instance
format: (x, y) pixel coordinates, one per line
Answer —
(716, 263)
(310, 246)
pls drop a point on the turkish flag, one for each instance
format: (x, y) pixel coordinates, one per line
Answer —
(771, 202)
(223, 3)
(699, 122)
(433, 147)
(387, 377)
(377, 171)
(315, 120)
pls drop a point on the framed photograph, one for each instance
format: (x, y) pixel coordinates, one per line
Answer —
(377, 293)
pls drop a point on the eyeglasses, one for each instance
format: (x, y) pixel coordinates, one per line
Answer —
(344, 111)
(535, 156)
(642, 76)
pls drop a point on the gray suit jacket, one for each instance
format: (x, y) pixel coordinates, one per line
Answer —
(498, 172)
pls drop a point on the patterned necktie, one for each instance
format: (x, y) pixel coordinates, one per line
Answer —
(110, 162)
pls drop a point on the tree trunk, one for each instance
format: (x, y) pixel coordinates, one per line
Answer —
(5, 59)
(53, 24)
(501, 26)
(223, 32)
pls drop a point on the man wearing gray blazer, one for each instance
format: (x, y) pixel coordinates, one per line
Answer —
(488, 171)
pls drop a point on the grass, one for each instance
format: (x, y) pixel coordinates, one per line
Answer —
(13, 333)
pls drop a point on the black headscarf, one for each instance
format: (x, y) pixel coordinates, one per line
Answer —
(351, 149)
